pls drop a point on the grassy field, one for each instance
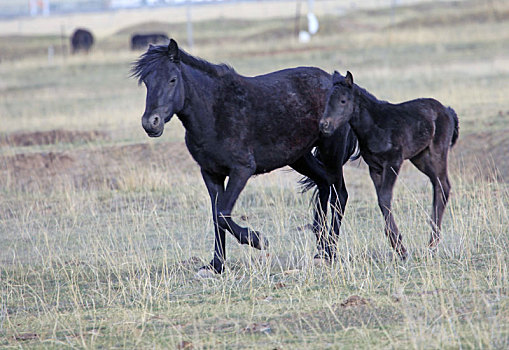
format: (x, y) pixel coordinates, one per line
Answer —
(103, 229)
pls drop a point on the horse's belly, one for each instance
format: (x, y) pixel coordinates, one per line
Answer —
(286, 151)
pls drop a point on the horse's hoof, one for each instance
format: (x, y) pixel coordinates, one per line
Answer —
(319, 262)
(321, 259)
(263, 243)
(206, 272)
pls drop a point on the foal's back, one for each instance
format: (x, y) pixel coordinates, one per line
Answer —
(415, 125)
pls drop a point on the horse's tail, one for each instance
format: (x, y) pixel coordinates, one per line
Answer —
(354, 151)
(456, 131)
(307, 183)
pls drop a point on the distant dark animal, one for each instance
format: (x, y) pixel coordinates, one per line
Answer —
(81, 40)
(421, 130)
(239, 126)
(142, 41)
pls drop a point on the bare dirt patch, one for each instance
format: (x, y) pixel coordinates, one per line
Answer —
(353, 301)
(90, 168)
(483, 154)
(51, 137)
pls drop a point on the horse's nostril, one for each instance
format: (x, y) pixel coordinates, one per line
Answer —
(155, 120)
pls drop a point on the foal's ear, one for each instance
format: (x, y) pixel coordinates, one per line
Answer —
(336, 77)
(173, 51)
(349, 79)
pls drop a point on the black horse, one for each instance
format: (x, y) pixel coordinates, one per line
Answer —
(81, 40)
(142, 41)
(421, 130)
(240, 126)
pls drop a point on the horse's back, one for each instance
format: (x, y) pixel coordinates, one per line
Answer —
(271, 114)
(298, 77)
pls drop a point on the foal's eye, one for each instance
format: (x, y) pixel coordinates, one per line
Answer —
(173, 80)
(343, 102)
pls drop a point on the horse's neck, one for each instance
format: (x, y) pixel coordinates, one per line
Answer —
(197, 116)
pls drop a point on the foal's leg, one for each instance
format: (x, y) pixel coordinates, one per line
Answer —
(310, 167)
(433, 163)
(215, 187)
(384, 183)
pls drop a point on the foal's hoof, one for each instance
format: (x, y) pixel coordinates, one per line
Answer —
(206, 272)
(433, 251)
(403, 255)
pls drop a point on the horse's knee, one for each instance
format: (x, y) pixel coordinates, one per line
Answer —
(444, 187)
(222, 220)
(384, 203)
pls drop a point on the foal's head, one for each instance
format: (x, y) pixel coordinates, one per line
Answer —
(159, 70)
(340, 104)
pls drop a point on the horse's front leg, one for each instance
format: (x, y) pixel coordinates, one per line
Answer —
(236, 183)
(215, 187)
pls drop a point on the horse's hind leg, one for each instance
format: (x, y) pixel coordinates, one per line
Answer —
(384, 183)
(339, 197)
(433, 163)
(310, 167)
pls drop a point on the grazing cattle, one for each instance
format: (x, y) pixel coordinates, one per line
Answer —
(81, 40)
(142, 41)
(238, 126)
(420, 130)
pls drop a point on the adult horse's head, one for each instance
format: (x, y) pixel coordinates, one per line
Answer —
(159, 70)
(340, 104)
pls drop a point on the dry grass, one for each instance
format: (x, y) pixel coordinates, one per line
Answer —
(102, 236)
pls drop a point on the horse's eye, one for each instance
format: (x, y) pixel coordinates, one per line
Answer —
(173, 80)
(343, 102)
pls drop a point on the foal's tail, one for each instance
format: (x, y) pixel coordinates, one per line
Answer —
(456, 131)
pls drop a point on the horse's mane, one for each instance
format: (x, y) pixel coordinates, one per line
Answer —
(157, 54)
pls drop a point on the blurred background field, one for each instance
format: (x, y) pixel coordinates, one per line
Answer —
(104, 228)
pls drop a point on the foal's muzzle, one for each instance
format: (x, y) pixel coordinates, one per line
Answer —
(326, 127)
(153, 125)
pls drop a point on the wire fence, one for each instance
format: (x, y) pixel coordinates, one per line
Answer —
(20, 8)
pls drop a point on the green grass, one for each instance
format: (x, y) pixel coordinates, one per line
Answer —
(101, 239)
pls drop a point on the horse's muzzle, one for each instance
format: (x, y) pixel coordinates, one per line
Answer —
(153, 125)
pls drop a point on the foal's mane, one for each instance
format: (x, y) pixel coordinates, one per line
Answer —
(359, 91)
(367, 95)
(155, 55)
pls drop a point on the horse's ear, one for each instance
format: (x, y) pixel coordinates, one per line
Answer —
(173, 51)
(349, 79)
(336, 77)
